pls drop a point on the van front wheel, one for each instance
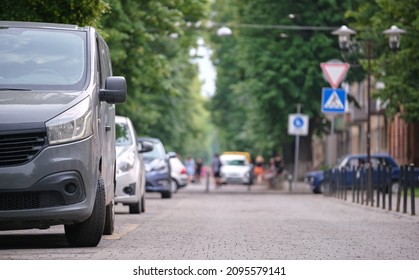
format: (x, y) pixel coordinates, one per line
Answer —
(89, 232)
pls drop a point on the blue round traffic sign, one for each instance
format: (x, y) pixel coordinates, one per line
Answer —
(298, 122)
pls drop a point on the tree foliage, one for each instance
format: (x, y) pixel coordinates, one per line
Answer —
(80, 12)
(398, 70)
(161, 102)
(264, 70)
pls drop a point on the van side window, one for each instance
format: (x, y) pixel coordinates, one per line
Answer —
(104, 63)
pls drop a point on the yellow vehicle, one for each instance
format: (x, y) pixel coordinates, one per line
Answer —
(246, 154)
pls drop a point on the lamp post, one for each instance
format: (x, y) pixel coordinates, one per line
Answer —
(344, 34)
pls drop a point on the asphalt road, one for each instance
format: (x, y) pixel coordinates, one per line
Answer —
(236, 224)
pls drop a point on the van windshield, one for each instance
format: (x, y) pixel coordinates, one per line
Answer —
(42, 59)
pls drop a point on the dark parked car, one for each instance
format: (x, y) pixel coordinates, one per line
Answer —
(158, 178)
(57, 130)
(316, 178)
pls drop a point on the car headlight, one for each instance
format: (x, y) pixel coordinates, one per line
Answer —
(72, 125)
(125, 163)
(157, 166)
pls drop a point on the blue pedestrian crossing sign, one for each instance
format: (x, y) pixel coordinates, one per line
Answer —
(333, 100)
(297, 124)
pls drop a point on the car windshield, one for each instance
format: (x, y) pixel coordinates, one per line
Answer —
(123, 137)
(339, 162)
(357, 161)
(38, 58)
(157, 152)
(235, 162)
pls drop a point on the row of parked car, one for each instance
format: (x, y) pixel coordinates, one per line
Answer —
(142, 165)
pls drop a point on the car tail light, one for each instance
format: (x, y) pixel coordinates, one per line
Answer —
(183, 170)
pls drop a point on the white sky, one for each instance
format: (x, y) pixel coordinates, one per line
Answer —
(207, 72)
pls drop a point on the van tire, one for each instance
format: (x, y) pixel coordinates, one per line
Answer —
(89, 232)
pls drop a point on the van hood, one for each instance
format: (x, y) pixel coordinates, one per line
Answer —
(17, 107)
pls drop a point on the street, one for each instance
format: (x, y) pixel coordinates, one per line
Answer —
(236, 224)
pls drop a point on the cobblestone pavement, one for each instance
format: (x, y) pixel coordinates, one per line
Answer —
(233, 222)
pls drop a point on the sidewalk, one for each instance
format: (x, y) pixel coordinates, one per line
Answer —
(361, 199)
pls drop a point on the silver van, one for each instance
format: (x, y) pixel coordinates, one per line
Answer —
(57, 130)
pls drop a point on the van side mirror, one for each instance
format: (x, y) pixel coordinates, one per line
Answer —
(115, 90)
(145, 146)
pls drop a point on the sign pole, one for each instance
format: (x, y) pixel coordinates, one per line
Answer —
(333, 100)
(297, 125)
(331, 150)
(297, 148)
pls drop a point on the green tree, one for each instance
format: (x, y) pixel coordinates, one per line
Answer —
(80, 12)
(270, 69)
(156, 65)
(397, 70)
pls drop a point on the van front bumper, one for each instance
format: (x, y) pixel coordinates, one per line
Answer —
(57, 187)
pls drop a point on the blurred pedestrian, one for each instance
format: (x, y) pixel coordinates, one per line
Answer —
(198, 170)
(278, 164)
(190, 168)
(258, 170)
(216, 169)
(270, 174)
(273, 174)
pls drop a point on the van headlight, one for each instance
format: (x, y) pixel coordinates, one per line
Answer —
(72, 125)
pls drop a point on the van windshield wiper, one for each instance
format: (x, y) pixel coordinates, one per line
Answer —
(17, 89)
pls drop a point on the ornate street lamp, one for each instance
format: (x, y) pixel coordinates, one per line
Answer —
(344, 34)
(224, 31)
(394, 34)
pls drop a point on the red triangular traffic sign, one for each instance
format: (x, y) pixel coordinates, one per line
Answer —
(334, 72)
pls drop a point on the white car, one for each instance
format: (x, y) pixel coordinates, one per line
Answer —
(130, 171)
(236, 169)
(178, 171)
